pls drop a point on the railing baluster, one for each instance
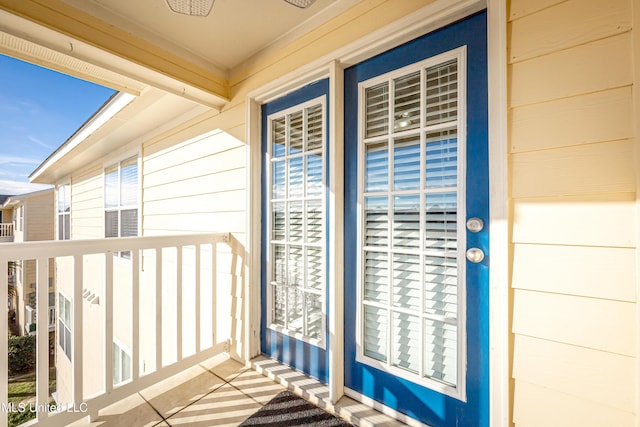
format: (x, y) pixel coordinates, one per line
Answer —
(179, 254)
(135, 315)
(42, 336)
(108, 323)
(4, 343)
(158, 309)
(198, 277)
(76, 341)
(214, 296)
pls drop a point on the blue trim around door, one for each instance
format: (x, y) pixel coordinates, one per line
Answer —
(310, 359)
(425, 404)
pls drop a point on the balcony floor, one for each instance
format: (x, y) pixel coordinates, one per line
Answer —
(223, 392)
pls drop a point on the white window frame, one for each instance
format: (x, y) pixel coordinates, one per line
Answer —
(62, 214)
(107, 165)
(68, 346)
(459, 391)
(321, 343)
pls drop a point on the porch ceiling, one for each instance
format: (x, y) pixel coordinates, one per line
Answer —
(118, 41)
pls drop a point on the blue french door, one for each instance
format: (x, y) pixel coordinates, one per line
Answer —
(294, 224)
(416, 227)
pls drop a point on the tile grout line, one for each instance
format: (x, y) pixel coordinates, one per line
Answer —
(153, 407)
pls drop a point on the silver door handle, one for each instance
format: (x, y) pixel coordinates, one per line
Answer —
(475, 255)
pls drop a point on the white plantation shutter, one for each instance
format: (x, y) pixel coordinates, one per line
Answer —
(121, 199)
(409, 193)
(296, 227)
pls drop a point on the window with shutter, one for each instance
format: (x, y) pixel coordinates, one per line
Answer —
(411, 194)
(296, 224)
(121, 199)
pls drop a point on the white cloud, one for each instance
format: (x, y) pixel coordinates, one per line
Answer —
(39, 142)
(4, 159)
(17, 187)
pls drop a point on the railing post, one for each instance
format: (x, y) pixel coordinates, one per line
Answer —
(158, 309)
(198, 277)
(4, 333)
(76, 342)
(42, 337)
(179, 254)
(214, 292)
(135, 315)
(108, 323)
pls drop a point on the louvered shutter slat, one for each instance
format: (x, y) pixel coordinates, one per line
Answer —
(375, 338)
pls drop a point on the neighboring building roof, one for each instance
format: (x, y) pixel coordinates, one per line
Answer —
(3, 198)
(10, 201)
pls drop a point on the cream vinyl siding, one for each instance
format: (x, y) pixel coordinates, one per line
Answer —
(573, 213)
(87, 204)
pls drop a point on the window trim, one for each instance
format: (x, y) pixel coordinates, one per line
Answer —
(60, 316)
(121, 348)
(129, 155)
(459, 391)
(322, 342)
(62, 214)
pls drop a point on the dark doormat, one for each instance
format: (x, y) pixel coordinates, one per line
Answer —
(287, 409)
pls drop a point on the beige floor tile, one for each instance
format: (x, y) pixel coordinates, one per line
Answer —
(224, 407)
(227, 369)
(257, 386)
(173, 394)
(131, 411)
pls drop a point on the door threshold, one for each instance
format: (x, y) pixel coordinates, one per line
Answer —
(317, 393)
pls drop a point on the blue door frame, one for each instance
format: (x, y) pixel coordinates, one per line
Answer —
(296, 353)
(427, 405)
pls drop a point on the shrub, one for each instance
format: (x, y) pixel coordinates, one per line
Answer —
(22, 352)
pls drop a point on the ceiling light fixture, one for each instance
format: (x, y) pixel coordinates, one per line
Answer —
(302, 4)
(191, 7)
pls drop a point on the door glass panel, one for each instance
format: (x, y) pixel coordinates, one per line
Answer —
(406, 163)
(440, 352)
(375, 335)
(406, 281)
(441, 223)
(377, 110)
(377, 167)
(409, 250)
(407, 102)
(406, 342)
(442, 159)
(296, 228)
(376, 221)
(376, 277)
(406, 221)
(442, 93)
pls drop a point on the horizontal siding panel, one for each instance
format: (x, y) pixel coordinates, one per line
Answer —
(573, 320)
(213, 202)
(576, 270)
(223, 181)
(207, 146)
(521, 8)
(587, 169)
(596, 376)
(234, 222)
(206, 125)
(596, 117)
(539, 406)
(227, 160)
(583, 69)
(568, 24)
(603, 220)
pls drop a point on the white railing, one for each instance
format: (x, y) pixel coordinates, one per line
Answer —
(167, 267)
(6, 231)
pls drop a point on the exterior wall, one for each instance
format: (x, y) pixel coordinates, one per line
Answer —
(573, 195)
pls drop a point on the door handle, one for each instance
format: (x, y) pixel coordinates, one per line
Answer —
(475, 255)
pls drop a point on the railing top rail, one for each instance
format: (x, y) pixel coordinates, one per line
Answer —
(62, 248)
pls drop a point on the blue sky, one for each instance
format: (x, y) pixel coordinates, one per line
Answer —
(39, 110)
